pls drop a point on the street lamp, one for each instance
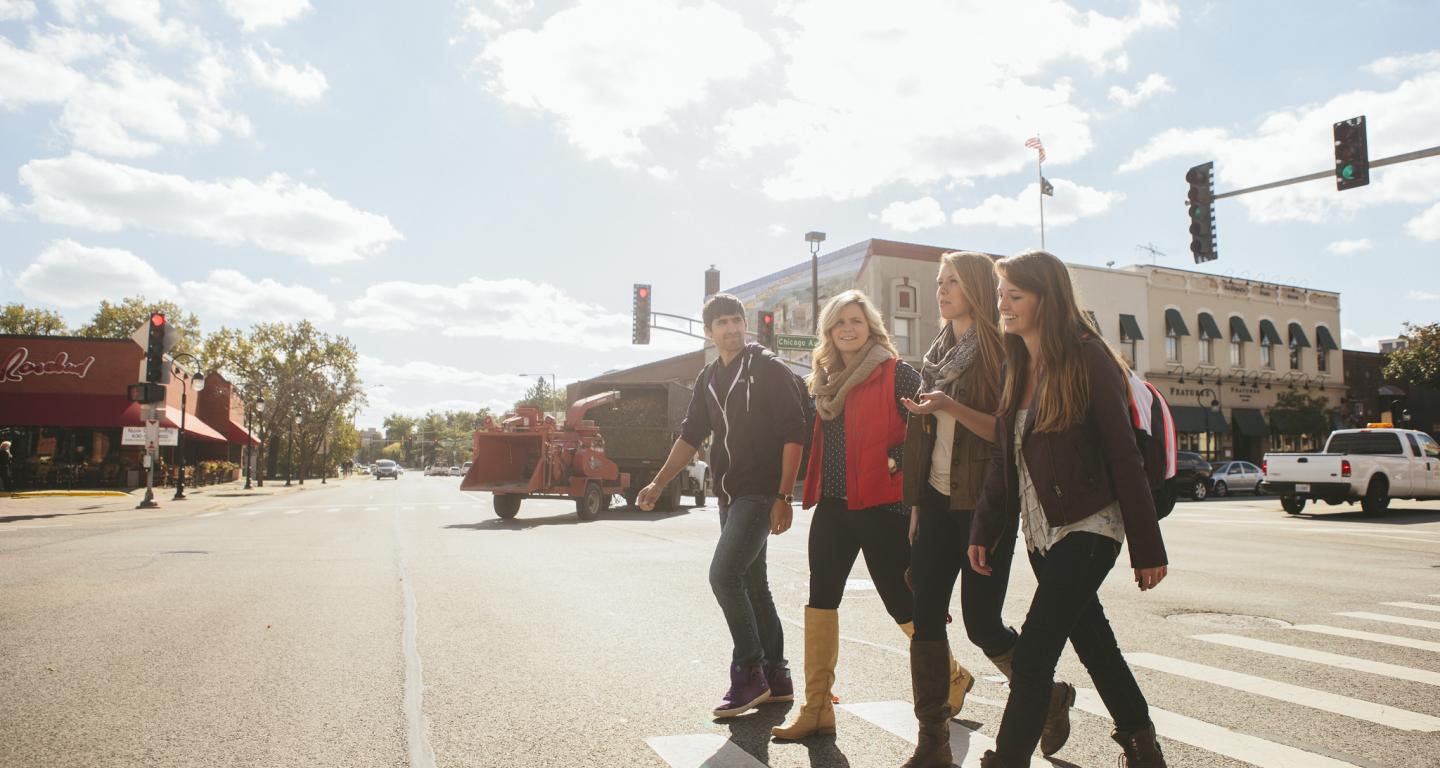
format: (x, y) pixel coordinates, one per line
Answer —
(815, 239)
(250, 442)
(542, 376)
(289, 447)
(1213, 407)
(188, 381)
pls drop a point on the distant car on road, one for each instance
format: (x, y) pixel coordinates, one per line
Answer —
(1229, 477)
(387, 468)
(455, 472)
(363, 469)
(1192, 475)
(436, 469)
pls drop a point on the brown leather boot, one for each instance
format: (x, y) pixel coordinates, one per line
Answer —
(991, 760)
(1057, 716)
(961, 681)
(822, 650)
(1141, 748)
(930, 680)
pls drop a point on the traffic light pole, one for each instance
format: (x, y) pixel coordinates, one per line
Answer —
(1329, 173)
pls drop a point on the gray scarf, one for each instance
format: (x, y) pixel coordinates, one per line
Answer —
(947, 358)
(830, 389)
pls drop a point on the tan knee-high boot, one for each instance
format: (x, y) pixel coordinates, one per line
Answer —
(822, 650)
(961, 681)
(1057, 716)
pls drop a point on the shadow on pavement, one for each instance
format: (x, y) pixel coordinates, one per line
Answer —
(1392, 516)
(520, 522)
(751, 731)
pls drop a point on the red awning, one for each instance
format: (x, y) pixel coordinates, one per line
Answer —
(97, 411)
(239, 434)
(194, 427)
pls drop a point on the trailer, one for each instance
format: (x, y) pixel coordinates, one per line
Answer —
(639, 430)
(529, 456)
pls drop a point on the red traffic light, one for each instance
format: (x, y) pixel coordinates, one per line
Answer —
(642, 291)
(157, 319)
(767, 318)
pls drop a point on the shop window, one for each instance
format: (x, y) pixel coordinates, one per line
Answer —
(1267, 356)
(1206, 350)
(1322, 359)
(1237, 353)
(1172, 348)
(1127, 351)
(902, 330)
(1294, 358)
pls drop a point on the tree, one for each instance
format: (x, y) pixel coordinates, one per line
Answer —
(118, 321)
(1303, 414)
(542, 396)
(29, 321)
(1418, 363)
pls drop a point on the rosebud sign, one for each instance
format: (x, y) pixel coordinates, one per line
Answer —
(19, 365)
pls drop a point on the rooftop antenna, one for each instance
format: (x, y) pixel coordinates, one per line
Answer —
(1154, 252)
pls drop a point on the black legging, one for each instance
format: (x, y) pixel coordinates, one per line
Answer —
(838, 534)
(938, 557)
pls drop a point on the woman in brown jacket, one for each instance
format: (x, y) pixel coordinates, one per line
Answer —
(1066, 468)
(947, 451)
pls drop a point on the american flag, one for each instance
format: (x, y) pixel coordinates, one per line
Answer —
(1034, 143)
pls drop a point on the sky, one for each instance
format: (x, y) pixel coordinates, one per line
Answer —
(468, 189)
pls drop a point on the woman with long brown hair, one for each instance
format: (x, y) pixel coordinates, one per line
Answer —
(1066, 467)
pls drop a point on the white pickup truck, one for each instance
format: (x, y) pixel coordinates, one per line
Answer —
(1371, 466)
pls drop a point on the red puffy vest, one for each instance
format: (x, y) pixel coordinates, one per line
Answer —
(872, 427)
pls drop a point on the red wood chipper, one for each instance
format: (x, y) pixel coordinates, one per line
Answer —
(527, 455)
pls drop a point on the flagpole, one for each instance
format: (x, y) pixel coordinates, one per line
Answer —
(1040, 176)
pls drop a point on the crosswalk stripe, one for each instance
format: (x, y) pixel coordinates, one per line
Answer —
(293, 511)
(1323, 657)
(372, 509)
(253, 513)
(1306, 697)
(333, 509)
(444, 507)
(1388, 619)
(210, 514)
(898, 718)
(1415, 606)
(1374, 637)
(701, 750)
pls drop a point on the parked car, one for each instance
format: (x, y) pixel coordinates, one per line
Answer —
(387, 468)
(1192, 475)
(1371, 466)
(364, 469)
(1230, 477)
(455, 472)
(436, 469)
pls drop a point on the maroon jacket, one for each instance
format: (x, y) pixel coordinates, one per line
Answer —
(1077, 471)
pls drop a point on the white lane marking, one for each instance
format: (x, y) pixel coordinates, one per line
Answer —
(1415, 606)
(407, 509)
(859, 585)
(333, 509)
(1294, 694)
(1374, 637)
(701, 750)
(444, 507)
(1323, 657)
(210, 514)
(898, 718)
(28, 527)
(372, 509)
(422, 755)
(293, 511)
(254, 512)
(1388, 619)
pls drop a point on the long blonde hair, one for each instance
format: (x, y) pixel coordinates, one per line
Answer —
(977, 285)
(826, 356)
(1063, 397)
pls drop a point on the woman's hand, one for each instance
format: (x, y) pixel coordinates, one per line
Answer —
(978, 558)
(926, 403)
(1149, 578)
(914, 524)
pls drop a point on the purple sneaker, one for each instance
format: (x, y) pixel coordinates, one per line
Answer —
(748, 690)
(782, 688)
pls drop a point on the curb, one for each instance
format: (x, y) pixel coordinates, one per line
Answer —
(55, 494)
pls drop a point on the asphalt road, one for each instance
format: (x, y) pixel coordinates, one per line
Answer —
(393, 623)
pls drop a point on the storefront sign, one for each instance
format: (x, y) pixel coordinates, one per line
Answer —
(136, 436)
(18, 365)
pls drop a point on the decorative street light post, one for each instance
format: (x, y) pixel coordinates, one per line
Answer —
(188, 380)
(250, 440)
(815, 239)
(289, 447)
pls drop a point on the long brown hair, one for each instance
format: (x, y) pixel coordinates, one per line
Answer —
(977, 284)
(1063, 396)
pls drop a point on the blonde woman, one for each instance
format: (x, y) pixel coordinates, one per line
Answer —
(1067, 470)
(853, 481)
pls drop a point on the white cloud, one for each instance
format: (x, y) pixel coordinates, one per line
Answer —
(611, 70)
(255, 14)
(301, 85)
(278, 214)
(7, 208)
(422, 372)
(145, 17)
(925, 92)
(1071, 203)
(660, 173)
(1395, 66)
(510, 309)
(228, 294)
(1152, 85)
(1347, 247)
(17, 10)
(1350, 339)
(69, 274)
(1424, 295)
(1426, 226)
(28, 78)
(777, 230)
(913, 216)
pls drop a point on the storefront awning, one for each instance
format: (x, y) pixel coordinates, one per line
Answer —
(37, 409)
(1238, 331)
(1297, 336)
(1250, 422)
(1268, 334)
(1175, 324)
(1324, 339)
(1129, 329)
(1217, 422)
(1190, 419)
(239, 434)
(1208, 328)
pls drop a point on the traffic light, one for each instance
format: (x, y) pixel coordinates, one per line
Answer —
(765, 334)
(1200, 203)
(640, 330)
(1352, 154)
(146, 393)
(155, 349)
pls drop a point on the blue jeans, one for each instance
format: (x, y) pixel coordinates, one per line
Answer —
(740, 583)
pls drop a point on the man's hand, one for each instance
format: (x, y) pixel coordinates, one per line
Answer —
(914, 524)
(978, 558)
(1149, 578)
(780, 516)
(647, 497)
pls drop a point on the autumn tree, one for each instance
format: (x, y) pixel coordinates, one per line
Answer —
(1418, 362)
(30, 321)
(118, 321)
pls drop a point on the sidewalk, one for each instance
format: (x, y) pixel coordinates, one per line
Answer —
(51, 504)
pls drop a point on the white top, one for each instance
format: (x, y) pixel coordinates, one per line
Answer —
(1039, 535)
(940, 456)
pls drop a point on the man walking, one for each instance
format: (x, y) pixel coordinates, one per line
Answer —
(749, 402)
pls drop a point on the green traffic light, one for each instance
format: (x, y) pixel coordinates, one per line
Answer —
(1347, 172)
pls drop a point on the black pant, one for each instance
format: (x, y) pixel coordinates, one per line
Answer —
(938, 557)
(838, 534)
(1066, 605)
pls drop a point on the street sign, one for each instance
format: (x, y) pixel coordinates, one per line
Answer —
(795, 342)
(136, 436)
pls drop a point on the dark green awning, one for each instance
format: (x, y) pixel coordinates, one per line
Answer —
(1297, 336)
(1190, 418)
(1324, 339)
(1175, 324)
(1217, 422)
(1250, 422)
(1268, 334)
(1208, 328)
(1129, 329)
(1238, 331)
